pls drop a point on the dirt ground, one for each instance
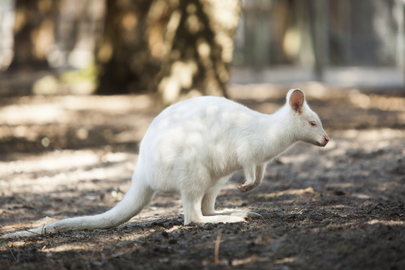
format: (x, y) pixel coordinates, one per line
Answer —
(338, 207)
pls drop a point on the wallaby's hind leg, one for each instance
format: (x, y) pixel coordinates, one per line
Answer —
(192, 199)
(192, 212)
(208, 202)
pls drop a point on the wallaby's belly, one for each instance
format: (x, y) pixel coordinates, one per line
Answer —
(187, 144)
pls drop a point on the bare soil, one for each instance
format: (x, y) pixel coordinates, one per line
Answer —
(338, 207)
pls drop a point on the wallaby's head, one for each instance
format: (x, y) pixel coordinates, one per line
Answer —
(308, 126)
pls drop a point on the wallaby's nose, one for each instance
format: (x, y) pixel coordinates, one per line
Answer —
(326, 138)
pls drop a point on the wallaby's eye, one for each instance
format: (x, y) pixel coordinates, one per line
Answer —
(313, 123)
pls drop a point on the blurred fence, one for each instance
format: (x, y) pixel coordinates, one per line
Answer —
(321, 34)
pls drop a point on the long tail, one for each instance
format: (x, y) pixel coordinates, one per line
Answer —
(138, 196)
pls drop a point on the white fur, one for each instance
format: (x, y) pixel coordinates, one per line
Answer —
(193, 147)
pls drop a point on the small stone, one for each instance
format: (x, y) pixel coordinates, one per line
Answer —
(168, 225)
(173, 241)
(208, 227)
(165, 234)
(178, 222)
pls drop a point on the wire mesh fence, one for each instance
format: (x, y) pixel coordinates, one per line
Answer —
(325, 32)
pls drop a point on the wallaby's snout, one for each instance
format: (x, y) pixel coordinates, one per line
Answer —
(325, 141)
(322, 140)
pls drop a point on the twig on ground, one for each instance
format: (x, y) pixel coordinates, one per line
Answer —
(12, 254)
(217, 243)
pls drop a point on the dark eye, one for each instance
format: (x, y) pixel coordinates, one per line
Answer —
(313, 124)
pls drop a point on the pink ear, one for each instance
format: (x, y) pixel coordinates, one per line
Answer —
(297, 99)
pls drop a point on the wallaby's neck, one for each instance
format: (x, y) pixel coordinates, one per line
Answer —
(278, 131)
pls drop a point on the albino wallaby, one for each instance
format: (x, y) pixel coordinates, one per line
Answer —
(193, 147)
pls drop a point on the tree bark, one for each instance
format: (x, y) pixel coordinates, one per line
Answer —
(199, 46)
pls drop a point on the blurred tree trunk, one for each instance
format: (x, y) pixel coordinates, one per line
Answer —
(189, 41)
(199, 47)
(130, 56)
(34, 23)
(319, 35)
(6, 33)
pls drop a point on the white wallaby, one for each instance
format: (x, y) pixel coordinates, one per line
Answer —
(193, 147)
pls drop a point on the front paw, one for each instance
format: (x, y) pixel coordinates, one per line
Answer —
(246, 187)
